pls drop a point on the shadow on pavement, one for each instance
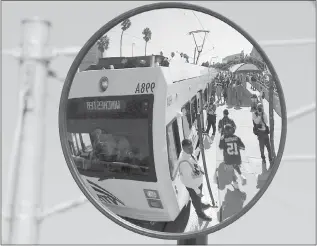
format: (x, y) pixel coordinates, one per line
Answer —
(180, 223)
(224, 177)
(232, 204)
(262, 178)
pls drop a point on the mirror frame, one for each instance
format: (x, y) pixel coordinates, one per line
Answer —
(63, 120)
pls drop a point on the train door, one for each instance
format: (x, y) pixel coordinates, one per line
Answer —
(174, 149)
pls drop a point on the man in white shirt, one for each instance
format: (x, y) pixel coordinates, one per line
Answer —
(260, 121)
(192, 176)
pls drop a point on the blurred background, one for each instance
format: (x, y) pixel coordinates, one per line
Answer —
(72, 24)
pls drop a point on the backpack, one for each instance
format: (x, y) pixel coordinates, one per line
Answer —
(256, 130)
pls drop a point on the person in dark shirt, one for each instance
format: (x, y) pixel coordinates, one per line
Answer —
(218, 89)
(225, 91)
(231, 145)
(253, 81)
(224, 121)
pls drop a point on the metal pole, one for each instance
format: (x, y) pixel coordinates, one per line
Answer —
(271, 116)
(201, 240)
(26, 202)
(201, 145)
(132, 48)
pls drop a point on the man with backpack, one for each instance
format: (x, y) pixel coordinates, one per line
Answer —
(261, 129)
(224, 121)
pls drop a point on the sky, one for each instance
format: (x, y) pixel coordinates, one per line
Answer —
(170, 33)
(74, 22)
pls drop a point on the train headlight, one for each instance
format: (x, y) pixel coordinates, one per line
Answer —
(155, 203)
(103, 84)
(151, 194)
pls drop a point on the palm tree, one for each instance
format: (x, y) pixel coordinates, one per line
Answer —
(172, 54)
(147, 36)
(124, 26)
(103, 44)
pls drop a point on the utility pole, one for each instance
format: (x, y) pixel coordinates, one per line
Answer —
(23, 201)
(26, 195)
(198, 49)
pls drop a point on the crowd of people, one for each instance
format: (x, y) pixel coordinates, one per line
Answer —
(227, 86)
(230, 143)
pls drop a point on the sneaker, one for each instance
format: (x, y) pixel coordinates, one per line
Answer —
(203, 216)
(205, 206)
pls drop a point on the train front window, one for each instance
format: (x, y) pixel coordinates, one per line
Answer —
(114, 135)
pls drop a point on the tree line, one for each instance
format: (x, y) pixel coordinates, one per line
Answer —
(246, 59)
(103, 43)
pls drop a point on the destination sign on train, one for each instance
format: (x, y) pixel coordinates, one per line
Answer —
(115, 105)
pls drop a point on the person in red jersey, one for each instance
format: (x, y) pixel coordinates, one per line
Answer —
(231, 145)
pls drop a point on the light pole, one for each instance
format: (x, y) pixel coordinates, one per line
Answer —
(26, 165)
(198, 48)
(27, 188)
(132, 48)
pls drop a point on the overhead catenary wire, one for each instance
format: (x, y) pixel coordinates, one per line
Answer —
(202, 27)
(63, 207)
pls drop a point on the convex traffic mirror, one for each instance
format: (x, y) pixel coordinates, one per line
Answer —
(172, 120)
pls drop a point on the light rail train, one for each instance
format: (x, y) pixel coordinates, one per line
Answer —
(125, 127)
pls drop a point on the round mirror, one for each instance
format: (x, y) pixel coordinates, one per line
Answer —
(172, 121)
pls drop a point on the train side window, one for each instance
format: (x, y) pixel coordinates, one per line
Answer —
(173, 146)
(193, 109)
(177, 138)
(76, 144)
(186, 120)
(85, 142)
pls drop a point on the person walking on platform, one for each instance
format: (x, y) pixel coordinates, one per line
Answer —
(239, 90)
(224, 121)
(191, 176)
(261, 129)
(211, 118)
(218, 89)
(230, 93)
(253, 82)
(254, 102)
(231, 145)
(225, 85)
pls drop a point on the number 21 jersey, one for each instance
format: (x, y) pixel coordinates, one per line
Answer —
(231, 146)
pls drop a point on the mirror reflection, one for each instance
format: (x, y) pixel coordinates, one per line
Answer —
(173, 120)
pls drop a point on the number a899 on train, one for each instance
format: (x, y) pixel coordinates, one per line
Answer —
(125, 128)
